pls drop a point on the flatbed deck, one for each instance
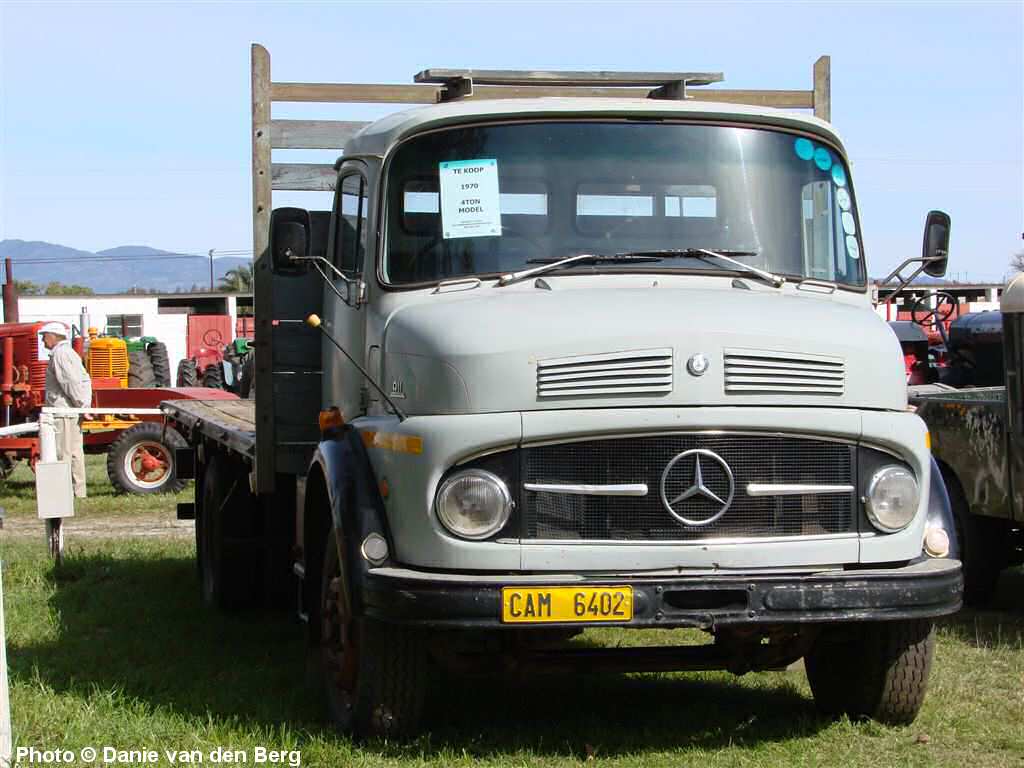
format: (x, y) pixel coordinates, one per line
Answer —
(230, 422)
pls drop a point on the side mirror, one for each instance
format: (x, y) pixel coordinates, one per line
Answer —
(935, 251)
(289, 239)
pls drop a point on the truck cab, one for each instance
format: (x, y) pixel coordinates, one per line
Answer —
(596, 362)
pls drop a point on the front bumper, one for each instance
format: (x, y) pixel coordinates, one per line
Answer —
(921, 590)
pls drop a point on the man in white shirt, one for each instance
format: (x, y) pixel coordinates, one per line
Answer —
(67, 386)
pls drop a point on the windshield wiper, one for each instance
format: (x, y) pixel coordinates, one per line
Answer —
(551, 266)
(706, 254)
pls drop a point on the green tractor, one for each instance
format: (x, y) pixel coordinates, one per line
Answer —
(148, 363)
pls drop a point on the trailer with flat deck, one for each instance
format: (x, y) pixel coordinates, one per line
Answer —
(573, 350)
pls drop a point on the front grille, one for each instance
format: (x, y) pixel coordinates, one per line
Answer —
(762, 459)
(636, 372)
(753, 371)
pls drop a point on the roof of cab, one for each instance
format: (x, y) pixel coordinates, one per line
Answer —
(378, 137)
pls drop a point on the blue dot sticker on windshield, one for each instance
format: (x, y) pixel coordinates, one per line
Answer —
(804, 149)
(838, 175)
(843, 199)
(852, 247)
(849, 226)
(822, 158)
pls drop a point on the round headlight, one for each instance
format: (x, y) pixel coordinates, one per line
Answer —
(473, 504)
(891, 500)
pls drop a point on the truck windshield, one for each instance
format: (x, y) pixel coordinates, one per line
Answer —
(487, 200)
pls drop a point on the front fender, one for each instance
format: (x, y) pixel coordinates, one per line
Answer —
(940, 511)
(354, 502)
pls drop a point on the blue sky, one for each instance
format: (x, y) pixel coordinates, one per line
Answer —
(128, 123)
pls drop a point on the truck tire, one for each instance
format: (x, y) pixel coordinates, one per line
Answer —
(188, 376)
(141, 460)
(213, 377)
(375, 676)
(140, 371)
(161, 363)
(980, 551)
(229, 576)
(875, 670)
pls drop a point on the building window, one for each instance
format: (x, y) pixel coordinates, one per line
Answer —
(124, 326)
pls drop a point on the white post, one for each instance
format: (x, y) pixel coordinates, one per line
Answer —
(47, 438)
(48, 453)
(5, 700)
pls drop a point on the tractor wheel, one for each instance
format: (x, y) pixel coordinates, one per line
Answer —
(158, 358)
(7, 465)
(140, 371)
(247, 379)
(213, 377)
(141, 460)
(188, 376)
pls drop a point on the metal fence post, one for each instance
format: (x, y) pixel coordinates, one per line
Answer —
(5, 701)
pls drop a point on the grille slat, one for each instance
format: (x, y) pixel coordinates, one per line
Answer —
(759, 459)
(766, 372)
(639, 372)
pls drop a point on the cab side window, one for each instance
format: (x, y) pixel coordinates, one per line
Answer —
(350, 236)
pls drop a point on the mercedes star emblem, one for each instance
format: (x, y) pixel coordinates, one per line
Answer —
(698, 364)
(698, 487)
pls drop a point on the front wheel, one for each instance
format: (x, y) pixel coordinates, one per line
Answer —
(141, 460)
(875, 670)
(374, 674)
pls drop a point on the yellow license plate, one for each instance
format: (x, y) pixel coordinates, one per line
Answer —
(538, 605)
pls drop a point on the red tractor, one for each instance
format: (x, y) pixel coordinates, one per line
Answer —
(212, 358)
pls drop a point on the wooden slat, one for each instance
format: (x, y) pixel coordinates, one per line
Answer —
(312, 134)
(355, 93)
(303, 177)
(777, 99)
(265, 465)
(528, 77)
(823, 88)
(427, 94)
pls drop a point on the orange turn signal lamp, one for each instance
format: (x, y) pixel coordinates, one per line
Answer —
(331, 419)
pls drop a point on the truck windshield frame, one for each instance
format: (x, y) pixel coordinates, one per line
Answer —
(570, 186)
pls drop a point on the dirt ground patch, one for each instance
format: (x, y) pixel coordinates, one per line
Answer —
(140, 526)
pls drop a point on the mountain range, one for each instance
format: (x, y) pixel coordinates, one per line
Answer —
(114, 270)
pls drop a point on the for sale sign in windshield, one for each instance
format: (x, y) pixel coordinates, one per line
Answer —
(470, 204)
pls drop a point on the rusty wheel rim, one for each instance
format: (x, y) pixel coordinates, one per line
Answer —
(148, 464)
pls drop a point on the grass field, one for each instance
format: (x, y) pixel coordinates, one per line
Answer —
(113, 649)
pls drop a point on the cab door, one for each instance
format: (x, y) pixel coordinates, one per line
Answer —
(345, 297)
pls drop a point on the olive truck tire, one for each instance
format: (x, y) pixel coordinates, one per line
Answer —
(160, 362)
(140, 371)
(141, 460)
(875, 670)
(188, 376)
(374, 675)
(981, 547)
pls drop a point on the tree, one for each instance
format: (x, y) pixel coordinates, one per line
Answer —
(59, 289)
(27, 288)
(237, 280)
(1017, 261)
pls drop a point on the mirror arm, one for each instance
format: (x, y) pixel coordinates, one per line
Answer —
(921, 263)
(352, 282)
